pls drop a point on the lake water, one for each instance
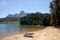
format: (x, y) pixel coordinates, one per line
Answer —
(13, 29)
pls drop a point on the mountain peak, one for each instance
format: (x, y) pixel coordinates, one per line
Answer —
(21, 14)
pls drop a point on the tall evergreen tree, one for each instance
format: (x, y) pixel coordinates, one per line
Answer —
(55, 12)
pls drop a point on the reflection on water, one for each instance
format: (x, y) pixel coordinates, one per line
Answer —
(9, 29)
(12, 29)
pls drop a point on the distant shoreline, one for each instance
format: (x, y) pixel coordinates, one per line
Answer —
(10, 22)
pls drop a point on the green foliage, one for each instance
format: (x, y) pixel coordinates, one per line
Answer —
(11, 20)
(35, 19)
(55, 12)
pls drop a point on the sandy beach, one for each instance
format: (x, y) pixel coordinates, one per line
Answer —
(49, 33)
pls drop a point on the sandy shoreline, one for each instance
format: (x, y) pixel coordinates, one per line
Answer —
(49, 33)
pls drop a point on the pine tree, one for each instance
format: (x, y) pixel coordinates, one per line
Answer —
(55, 12)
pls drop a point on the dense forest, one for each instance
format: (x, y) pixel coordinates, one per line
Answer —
(36, 19)
(9, 19)
(44, 19)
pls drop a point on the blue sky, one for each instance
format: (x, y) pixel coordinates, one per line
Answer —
(15, 6)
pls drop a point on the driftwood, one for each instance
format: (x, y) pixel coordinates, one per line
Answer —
(30, 35)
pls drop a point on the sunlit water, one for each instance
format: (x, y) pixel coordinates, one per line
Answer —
(13, 29)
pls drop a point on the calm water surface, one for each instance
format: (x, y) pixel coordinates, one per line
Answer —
(13, 29)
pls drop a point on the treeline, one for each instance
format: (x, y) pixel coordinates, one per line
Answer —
(36, 19)
(9, 19)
